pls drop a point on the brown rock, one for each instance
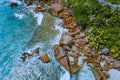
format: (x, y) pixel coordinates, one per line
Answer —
(13, 4)
(75, 68)
(58, 52)
(75, 49)
(71, 25)
(25, 55)
(29, 3)
(75, 55)
(64, 62)
(63, 15)
(57, 7)
(38, 9)
(53, 12)
(74, 31)
(82, 34)
(65, 39)
(36, 51)
(97, 74)
(44, 57)
(104, 75)
(65, 47)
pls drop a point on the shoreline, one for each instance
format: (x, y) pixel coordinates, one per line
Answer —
(71, 44)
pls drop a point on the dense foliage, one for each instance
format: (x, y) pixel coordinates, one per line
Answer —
(101, 22)
(114, 1)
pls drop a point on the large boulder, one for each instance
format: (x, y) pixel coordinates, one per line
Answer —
(97, 74)
(65, 39)
(61, 57)
(64, 62)
(58, 52)
(57, 7)
(44, 57)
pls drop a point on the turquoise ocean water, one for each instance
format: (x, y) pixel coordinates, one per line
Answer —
(15, 33)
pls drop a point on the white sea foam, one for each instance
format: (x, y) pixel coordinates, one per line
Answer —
(17, 1)
(39, 17)
(65, 75)
(60, 30)
(19, 15)
(114, 74)
(85, 73)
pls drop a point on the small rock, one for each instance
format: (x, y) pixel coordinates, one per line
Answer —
(25, 55)
(38, 9)
(36, 51)
(29, 3)
(13, 4)
(105, 51)
(44, 57)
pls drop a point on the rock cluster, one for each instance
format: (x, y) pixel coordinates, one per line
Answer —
(44, 57)
(73, 44)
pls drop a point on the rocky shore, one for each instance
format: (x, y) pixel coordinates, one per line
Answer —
(73, 49)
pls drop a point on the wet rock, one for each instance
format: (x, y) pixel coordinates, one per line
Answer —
(36, 51)
(65, 39)
(38, 9)
(75, 68)
(29, 3)
(44, 57)
(97, 74)
(25, 55)
(53, 12)
(57, 7)
(13, 4)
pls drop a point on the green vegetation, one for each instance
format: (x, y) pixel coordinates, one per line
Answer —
(99, 21)
(114, 1)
